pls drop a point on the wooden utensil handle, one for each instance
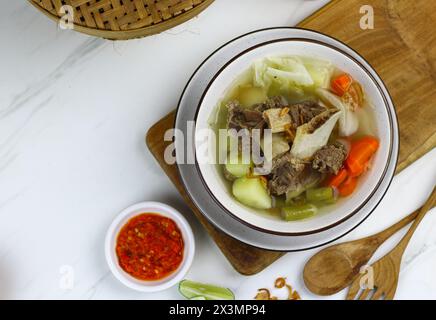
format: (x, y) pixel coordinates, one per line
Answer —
(382, 236)
(429, 204)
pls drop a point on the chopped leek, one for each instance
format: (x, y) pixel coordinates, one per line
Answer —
(299, 212)
(311, 182)
(325, 194)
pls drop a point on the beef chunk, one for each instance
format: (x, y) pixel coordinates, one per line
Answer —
(303, 112)
(271, 103)
(244, 118)
(330, 158)
(320, 119)
(290, 174)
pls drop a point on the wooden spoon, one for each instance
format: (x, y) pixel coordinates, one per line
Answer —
(386, 271)
(334, 268)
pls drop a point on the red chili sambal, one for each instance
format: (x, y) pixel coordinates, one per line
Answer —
(150, 247)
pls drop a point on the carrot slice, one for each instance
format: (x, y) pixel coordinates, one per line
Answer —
(348, 187)
(360, 153)
(336, 180)
(341, 84)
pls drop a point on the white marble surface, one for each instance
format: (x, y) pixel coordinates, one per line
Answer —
(73, 114)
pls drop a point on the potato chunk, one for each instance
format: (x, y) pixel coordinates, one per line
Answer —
(252, 193)
(236, 168)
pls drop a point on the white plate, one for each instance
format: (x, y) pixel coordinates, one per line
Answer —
(228, 56)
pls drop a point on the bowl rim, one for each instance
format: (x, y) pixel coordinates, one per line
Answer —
(385, 105)
(209, 209)
(163, 210)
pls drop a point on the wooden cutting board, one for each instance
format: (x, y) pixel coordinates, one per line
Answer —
(401, 48)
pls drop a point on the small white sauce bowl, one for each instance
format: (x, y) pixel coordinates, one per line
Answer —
(111, 241)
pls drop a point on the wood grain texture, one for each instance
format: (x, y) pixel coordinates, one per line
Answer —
(244, 258)
(122, 20)
(386, 271)
(401, 48)
(334, 268)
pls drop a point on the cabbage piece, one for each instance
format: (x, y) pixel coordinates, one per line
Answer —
(292, 72)
(289, 70)
(320, 70)
(286, 71)
(314, 135)
(259, 69)
(348, 122)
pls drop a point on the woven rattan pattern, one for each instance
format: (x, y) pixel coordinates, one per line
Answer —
(118, 15)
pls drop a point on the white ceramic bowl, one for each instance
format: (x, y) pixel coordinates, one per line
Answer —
(122, 219)
(368, 184)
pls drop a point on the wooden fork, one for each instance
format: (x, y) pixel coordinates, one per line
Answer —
(385, 271)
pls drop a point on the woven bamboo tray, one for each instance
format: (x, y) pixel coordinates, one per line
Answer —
(123, 19)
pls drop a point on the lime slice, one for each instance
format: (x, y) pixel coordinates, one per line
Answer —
(198, 298)
(190, 289)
